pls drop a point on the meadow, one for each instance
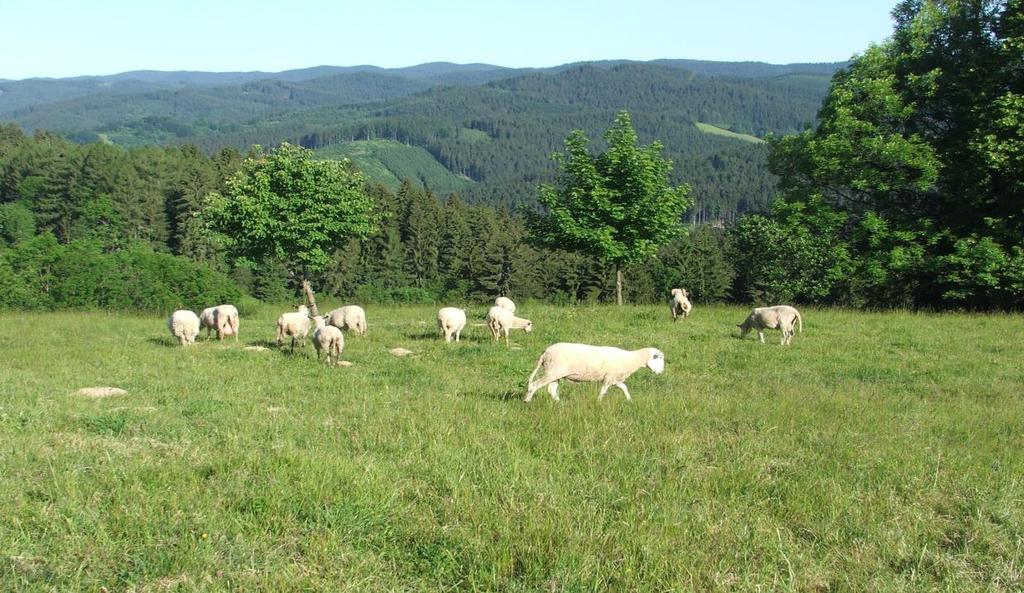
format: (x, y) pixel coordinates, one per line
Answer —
(880, 452)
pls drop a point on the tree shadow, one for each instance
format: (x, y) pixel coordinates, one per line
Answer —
(165, 341)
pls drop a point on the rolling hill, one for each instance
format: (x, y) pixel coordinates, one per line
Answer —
(482, 130)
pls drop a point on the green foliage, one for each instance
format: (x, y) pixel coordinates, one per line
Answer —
(920, 147)
(17, 223)
(41, 273)
(287, 207)
(619, 206)
(698, 261)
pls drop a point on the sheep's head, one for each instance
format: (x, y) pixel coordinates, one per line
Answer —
(528, 327)
(656, 361)
(303, 309)
(745, 327)
(676, 291)
(318, 321)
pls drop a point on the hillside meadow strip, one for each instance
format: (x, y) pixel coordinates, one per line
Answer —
(879, 452)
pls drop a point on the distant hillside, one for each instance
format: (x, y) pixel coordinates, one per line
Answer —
(495, 126)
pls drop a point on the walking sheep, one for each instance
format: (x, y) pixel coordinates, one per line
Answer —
(680, 303)
(502, 320)
(294, 325)
(451, 320)
(505, 303)
(184, 325)
(581, 362)
(781, 317)
(349, 317)
(223, 319)
(329, 339)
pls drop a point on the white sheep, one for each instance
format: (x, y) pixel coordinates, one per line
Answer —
(295, 325)
(329, 339)
(781, 317)
(223, 319)
(581, 362)
(184, 325)
(502, 320)
(451, 320)
(349, 317)
(505, 303)
(680, 304)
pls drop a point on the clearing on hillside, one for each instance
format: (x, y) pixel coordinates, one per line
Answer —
(391, 162)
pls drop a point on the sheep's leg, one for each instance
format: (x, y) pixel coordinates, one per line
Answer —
(622, 386)
(760, 335)
(553, 390)
(604, 390)
(506, 338)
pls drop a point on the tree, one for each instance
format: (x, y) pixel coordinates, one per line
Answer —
(285, 206)
(617, 206)
(921, 146)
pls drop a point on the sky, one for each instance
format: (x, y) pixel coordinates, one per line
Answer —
(58, 38)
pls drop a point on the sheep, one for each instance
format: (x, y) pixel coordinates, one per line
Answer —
(451, 320)
(505, 303)
(502, 320)
(184, 325)
(582, 362)
(329, 339)
(222, 318)
(294, 325)
(781, 317)
(350, 317)
(680, 304)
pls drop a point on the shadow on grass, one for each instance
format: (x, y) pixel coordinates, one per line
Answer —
(165, 341)
(511, 395)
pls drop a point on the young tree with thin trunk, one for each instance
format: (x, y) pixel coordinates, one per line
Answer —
(617, 206)
(287, 207)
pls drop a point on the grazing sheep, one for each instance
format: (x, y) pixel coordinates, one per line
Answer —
(781, 317)
(680, 304)
(222, 318)
(502, 320)
(329, 339)
(294, 325)
(184, 325)
(350, 317)
(451, 320)
(505, 303)
(581, 362)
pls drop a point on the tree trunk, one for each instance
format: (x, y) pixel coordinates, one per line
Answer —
(618, 283)
(309, 297)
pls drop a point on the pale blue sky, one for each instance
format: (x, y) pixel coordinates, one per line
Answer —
(69, 38)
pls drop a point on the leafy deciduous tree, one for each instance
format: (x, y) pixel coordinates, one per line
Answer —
(618, 206)
(285, 206)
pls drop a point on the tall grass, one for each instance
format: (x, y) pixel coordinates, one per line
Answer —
(880, 452)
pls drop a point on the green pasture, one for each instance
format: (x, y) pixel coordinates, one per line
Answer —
(880, 452)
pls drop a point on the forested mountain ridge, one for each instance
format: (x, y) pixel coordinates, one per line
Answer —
(491, 125)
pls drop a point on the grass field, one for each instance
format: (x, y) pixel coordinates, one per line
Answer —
(719, 131)
(880, 452)
(390, 162)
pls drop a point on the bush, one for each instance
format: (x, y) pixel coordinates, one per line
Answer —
(40, 273)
